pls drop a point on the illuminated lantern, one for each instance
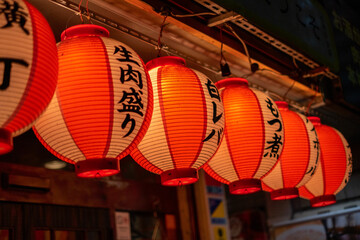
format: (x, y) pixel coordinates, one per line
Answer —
(253, 137)
(28, 68)
(334, 169)
(299, 158)
(102, 104)
(187, 123)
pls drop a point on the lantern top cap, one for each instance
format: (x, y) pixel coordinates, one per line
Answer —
(315, 120)
(163, 61)
(282, 104)
(84, 30)
(232, 82)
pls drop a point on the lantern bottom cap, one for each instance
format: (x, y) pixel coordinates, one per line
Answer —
(323, 201)
(6, 141)
(284, 194)
(245, 186)
(179, 176)
(95, 168)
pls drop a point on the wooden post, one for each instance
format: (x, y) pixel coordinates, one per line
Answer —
(184, 213)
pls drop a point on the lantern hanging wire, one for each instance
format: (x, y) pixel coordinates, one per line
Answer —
(159, 44)
(87, 11)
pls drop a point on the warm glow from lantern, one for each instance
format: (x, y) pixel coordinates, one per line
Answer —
(102, 105)
(186, 125)
(299, 158)
(28, 70)
(253, 137)
(334, 170)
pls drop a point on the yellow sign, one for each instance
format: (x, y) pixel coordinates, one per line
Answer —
(220, 233)
(219, 211)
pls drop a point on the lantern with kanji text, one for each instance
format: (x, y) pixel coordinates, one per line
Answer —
(253, 138)
(335, 166)
(102, 105)
(28, 68)
(187, 123)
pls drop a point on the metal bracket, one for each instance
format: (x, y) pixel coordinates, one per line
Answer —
(223, 18)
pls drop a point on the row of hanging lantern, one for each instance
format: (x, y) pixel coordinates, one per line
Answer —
(171, 119)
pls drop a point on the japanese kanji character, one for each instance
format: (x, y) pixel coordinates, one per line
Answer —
(134, 102)
(300, 15)
(213, 132)
(272, 122)
(216, 117)
(270, 106)
(13, 14)
(311, 170)
(7, 70)
(213, 91)
(130, 74)
(125, 54)
(274, 146)
(127, 120)
(315, 27)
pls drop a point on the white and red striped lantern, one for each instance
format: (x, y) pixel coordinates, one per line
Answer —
(253, 138)
(28, 68)
(187, 123)
(102, 105)
(299, 158)
(334, 169)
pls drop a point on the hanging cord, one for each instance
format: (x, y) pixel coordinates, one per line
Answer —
(222, 58)
(193, 14)
(159, 46)
(254, 67)
(80, 13)
(291, 87)
(293, 83)
(243, 43)
(295, 64)
(87, 11)
(224, 66)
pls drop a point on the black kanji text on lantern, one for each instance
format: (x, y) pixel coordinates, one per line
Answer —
(214, 93)
(7, 70)
(130, 74)
(317, 147)
(270, 105)
(13, 14)
(126, 56)
(274, 145)
(131, 101)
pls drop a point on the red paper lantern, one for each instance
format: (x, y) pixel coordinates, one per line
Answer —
(102, 105)
(334, 169)
(299, 158)
(187, 122)
(28, 68)
(253, 138)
